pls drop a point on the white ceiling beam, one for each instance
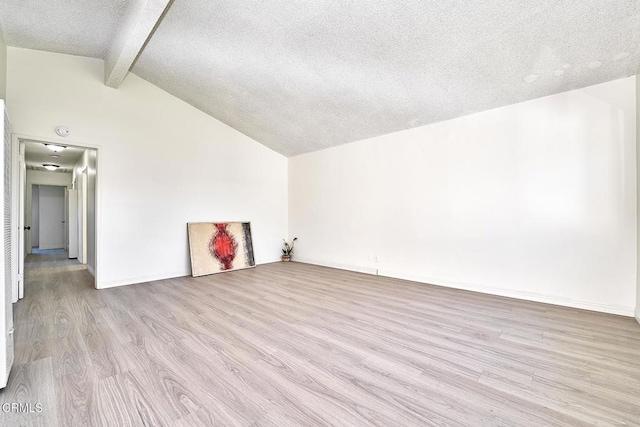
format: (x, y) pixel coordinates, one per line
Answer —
(141, 19)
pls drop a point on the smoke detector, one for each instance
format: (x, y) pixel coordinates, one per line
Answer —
(63, 131)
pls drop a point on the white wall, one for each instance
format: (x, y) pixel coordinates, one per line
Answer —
(41, 178)
(161, 164)
(534, 200)
(52, 216)
(35, 216)
(3, 66)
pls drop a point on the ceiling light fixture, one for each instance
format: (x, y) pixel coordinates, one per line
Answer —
(54, 147)
(54, 156)
(50, 167)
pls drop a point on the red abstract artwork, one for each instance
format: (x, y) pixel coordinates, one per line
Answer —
(217, 247)
(223, 246)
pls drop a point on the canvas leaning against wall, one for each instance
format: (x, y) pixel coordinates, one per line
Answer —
(220, 246)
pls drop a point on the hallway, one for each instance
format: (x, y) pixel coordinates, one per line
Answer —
(47, 326)
(49, 257)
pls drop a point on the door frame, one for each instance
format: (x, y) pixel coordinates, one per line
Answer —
(82, 183)
(19, 194)
(18, 252)
(72, 223)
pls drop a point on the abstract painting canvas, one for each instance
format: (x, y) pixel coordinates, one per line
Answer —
(219, 246)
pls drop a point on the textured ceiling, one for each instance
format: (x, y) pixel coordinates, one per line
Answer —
(302, 76)
(36, 154)
(75, 27)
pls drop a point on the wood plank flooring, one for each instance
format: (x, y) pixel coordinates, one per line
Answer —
(290, 344)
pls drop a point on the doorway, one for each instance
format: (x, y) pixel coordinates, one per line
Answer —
(57, 187)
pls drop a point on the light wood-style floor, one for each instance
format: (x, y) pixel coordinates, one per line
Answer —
(294, 344)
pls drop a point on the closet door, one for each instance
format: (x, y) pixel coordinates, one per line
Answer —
(6, 322)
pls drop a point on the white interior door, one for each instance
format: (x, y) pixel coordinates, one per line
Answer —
(52, 221)
(73, 223)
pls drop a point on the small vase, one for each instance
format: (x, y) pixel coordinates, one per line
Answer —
(286, 258)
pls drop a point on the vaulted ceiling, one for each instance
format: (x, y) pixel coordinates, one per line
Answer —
(299, 76)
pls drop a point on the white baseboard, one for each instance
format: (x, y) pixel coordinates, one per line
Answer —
(143, 279)
(358, 269)
(637, 314)
(91, 271)
(153, 278)
(271, 261)
(523, 295)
